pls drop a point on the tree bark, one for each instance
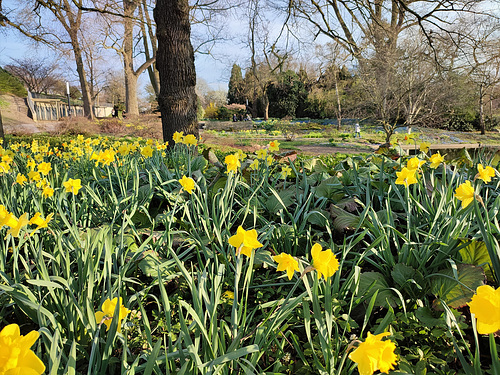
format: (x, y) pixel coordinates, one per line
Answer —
(2, 134)
(129, 7)
(175, 63)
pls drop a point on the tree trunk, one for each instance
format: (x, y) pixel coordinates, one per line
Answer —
(2, 134)
(80, 68)
(175, 63)
(131, 103)
(481, 110)
(339, 108)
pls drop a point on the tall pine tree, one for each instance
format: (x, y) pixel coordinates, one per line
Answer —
(235, 89)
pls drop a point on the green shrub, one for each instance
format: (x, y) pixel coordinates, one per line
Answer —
(10, 84)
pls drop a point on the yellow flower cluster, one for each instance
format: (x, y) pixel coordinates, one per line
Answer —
(15, 224)
(323, 261)
(188, 139)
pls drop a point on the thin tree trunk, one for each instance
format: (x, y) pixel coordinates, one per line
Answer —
(481, 110)
(2, 134)
(87, 101)
(175, 63)
(131, 102)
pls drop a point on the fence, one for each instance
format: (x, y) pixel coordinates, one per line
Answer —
(52, 109)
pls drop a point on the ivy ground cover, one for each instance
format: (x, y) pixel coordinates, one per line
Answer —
(128, 257)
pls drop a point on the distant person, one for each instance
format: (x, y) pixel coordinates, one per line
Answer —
(235, 118)
(357, 130)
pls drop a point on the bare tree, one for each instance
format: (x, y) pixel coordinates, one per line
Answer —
(35, 19)
(39, 75)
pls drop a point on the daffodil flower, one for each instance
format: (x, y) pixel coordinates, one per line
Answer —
(485, 174)
(190, 140)
(274, 146)
(465, 193)
(72, 186)
(406, 177)
(108, 310)
(17, 224)
(245, 241)
(374, 354)
(187, 184)
(414, 163)
(233, 162)
(485, 305)
(16, 356)
(286, 263)
(324, 261)
(178, 137)
(436, 160)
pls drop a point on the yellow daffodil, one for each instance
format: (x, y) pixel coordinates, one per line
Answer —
(261, 154)
(17, 224)
(241, 155)
(228, 295)
(34, 176)
(21, 179)
(178, 137)
(485, 305)
(485, 174)
(465, 193)
(254, 165)
(108, 310)
(47, 192)
(245, 241)
(39, 221)
(6, 217)
(424, 146)
(286, 171)
(374, 354)
(187, 184)
(72, 186)
(414, 163)
(286, 263)
(190, 140)
(269, 160)
(147, 151)
(124, 149)
(44, 168)
(274, 146)
(16, 356)
(324, 261)
(436, 160)
(4, 167)
(150, 142)
(7, 159)
(233, 162)
(406, 177)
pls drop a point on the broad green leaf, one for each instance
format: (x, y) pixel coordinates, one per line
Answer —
(315, 165)
(370, 282)
(330, 188)
(199, 163)
(319, 218)
(407, 277)
(342, 219)
(456, 293)
(476, 253)
(284, 199)
(151, 264)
